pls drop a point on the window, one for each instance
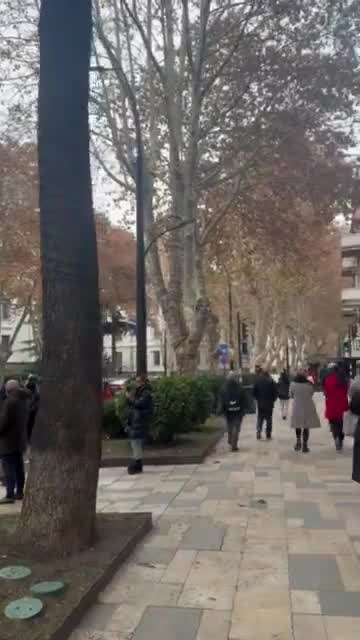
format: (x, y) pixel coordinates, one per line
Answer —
(119, 361)
(5, 344)
(156, 358)
(5, 311)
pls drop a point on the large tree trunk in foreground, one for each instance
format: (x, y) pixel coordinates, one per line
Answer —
(60, 503)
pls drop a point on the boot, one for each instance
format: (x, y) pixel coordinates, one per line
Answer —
(305, 448)
(134, 467)
(258, 435)
(298, 444)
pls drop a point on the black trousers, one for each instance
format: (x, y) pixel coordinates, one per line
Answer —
(337, 429)
(305, 435)
(264, 416)
(13, 467)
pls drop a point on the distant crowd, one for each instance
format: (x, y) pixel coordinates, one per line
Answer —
(342, 406)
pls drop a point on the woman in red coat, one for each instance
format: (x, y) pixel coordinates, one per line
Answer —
(336, 388)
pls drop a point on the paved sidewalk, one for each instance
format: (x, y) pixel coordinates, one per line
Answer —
(263, 544)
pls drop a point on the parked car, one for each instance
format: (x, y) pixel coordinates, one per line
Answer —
(117, 385)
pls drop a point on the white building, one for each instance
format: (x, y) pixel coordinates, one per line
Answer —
(350, 295)
(22, 352)
(126, 351)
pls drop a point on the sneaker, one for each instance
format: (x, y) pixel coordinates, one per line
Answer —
(298, 445)
(258, 435)
(305, 448)
(7, 500)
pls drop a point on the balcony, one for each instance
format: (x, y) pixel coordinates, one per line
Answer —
(349, 263)
(350, 241)
(351, 297)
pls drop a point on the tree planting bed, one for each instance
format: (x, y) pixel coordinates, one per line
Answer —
(84, 575)
(187, 448)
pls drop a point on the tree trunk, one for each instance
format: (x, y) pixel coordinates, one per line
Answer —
(59, 509)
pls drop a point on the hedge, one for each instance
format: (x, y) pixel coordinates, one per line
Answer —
(180, 405)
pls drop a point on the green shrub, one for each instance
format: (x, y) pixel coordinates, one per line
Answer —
(180, 404)
(111, 423)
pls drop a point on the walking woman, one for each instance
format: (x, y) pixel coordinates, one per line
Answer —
(284, 393)
(336, 388)
(304, 415)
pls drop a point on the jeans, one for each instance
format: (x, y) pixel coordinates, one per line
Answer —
(284, 407)
(264, 416)
(13, 467)
(233, 421)
(305, 435)
(136, 449)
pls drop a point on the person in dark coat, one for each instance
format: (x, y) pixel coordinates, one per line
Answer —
(284, 393)
(233, 400)
(34, 401)
(265, 394)
(13, 423)
(140, 416)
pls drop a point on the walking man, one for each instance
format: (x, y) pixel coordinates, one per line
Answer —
(233, 408)
(13, 423)
(265, 394)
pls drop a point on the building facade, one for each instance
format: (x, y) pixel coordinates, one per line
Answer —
(350, 295)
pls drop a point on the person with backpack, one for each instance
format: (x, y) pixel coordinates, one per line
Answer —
(140, 403)
(233, 408)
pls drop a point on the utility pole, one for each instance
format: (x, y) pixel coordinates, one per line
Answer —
(287, 356)
(239, 337)
(231, 331)
(165, 354)
(141, 338)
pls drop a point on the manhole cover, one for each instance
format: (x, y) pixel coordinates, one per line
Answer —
(52, 588)
(23, 609)
(15, 573)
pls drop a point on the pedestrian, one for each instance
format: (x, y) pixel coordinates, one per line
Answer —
(34, 401)
(140, 403)
(283, 393)
(265, 394)
(304, 416)
(13, 423)
(336, 388)
(355, 410)
(234, 408)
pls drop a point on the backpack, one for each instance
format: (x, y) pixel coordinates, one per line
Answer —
(232, 404)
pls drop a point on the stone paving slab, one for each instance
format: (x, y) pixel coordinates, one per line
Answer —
(262, 544)
(169, 623)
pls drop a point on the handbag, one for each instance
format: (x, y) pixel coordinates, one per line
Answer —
(350, 423)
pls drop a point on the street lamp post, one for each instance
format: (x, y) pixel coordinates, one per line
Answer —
(141, 338)
(239, 336)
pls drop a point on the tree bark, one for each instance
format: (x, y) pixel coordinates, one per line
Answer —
(59, 509)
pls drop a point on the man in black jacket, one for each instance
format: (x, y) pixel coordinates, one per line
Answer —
(234, 402)
(140, 416)
(265, 394)
(13, 421)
